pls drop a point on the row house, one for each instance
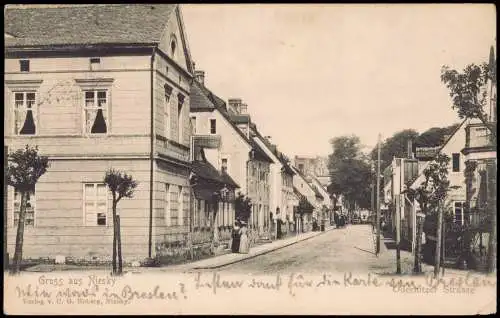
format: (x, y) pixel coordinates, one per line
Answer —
(95, 87)
(480, 155)
(237, 154)
(282, 199)
(314, 166)
(409, 172)
(309, 205)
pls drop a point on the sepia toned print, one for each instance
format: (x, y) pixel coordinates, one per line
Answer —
(250, 159)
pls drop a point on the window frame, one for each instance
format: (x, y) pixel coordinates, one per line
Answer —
(34, 110)
(96, 84)
(167, 110)
(457, 156)
(172, 187)
(84, 198)
(192, 122)
(226, 158)
(166, 205)
(27, 63)
(180, 118)
(85, 108)
(461, 207)
(14, 201)
(214, 121)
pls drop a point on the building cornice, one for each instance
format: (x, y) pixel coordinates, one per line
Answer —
(75, 50)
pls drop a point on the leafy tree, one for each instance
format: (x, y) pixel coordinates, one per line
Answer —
(395, 146)
(25, 167)
(430, 195)
(434, 136)
(243, 207)
(121, 185)
(469, 93)
(468, 90)
(350, 175)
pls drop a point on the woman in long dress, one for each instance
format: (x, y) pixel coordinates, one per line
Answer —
(235, 238)
(244, 241)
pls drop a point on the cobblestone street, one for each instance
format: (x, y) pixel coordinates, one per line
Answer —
(339, 250)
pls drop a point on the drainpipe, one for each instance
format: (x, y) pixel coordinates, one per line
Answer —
(151, 159)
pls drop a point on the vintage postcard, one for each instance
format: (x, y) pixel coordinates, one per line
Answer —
(250, 159)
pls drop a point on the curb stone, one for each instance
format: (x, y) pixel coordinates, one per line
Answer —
(260, 253)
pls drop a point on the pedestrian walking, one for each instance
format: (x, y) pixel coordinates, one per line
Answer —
(244, 241)
(235, 237)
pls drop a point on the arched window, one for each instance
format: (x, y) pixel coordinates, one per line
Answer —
(173, 46)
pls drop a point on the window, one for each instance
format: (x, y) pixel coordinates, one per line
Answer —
(96, 111)
(95, 204)
(24, 65)
(167, 205)
(301, 168)
(173, 47)
(193, 125)
(29, 219)
(180, 103)
(95, 63)
(213, 126)
(174, 205)
(25, 113)
(185, 206)
(223, 167)
(459, 215)
(166, 110)
(198, 215)
(456, 162)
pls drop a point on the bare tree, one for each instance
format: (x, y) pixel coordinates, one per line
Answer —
(121, 185)
(25, 167)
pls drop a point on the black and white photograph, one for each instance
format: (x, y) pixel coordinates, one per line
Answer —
(328, 159)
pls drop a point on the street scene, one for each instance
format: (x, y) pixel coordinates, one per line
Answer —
(179, 139)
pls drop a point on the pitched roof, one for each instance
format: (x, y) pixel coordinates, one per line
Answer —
(307, 205)
(419, 177)
(202, 99)
(205, 170)
(316, 192)
(86, 24)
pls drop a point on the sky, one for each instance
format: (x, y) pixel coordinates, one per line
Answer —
(313, 72)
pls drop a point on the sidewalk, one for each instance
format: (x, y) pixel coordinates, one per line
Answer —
(407, 259)
(227, 259)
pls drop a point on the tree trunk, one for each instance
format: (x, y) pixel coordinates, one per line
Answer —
(417, 268)
(114, 237)
(119, 243)
(437, 262)
(18, 254)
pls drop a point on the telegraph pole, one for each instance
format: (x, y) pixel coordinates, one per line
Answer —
(378, 195)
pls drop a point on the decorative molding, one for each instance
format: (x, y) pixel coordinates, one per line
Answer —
(94, 82)
(17, 85)
(141, 156)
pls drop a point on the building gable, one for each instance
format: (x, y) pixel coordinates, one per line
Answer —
(453, 144)
(173, 41)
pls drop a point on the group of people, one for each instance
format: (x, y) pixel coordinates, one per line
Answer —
(239, 238)
(340, 220)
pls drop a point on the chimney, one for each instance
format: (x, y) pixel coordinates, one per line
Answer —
(235, 105)
(200, 77)
(410, 149)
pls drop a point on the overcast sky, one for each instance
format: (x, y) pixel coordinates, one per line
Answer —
(312, 72)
